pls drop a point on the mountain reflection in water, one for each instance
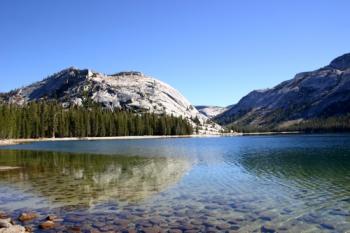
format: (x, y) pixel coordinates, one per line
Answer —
(286, 183)
(87, 179)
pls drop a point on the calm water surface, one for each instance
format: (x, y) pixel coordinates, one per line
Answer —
(298, 183)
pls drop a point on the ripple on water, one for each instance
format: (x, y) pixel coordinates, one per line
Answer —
(280, 183)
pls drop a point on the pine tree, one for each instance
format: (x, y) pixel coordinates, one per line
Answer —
(50, 119)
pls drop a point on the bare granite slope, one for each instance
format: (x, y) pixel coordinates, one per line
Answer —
(321, 93)
(211, 111)
(125, 90)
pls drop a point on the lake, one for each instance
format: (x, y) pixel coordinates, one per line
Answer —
(282, 183)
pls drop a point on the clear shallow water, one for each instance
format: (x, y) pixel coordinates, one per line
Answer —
(287, 183)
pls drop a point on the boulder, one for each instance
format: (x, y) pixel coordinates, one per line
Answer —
(27, 217)
(5, 223)
(13, 229)
(47, 225)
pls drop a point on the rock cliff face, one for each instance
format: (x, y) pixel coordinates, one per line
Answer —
(125, 90)
(211, 111)
(321, 93)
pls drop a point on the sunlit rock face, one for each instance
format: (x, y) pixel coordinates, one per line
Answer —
(211, 111)
(66, 179)
(125, 90)
(320, 93)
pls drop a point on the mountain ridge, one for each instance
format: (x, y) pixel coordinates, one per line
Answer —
(211, 111)
(128, 90)
(324, 92)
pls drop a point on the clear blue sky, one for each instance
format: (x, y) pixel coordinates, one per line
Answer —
(214, 52)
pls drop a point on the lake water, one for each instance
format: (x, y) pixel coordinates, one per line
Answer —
(289, 183)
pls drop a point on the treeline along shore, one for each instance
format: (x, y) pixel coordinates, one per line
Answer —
(8, 142)
(52, 120)
(334, 124)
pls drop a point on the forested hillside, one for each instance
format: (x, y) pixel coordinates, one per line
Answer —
(131, 91)
(50, 119)
(315, 125)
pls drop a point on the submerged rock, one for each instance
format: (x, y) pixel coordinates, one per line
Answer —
(75, 229)
(327, 226)
(54, 218)
(47, 225)
(339, 212)
(267, 229)
(51, 217)
(3, 215)
(28, 229)
(27, 217)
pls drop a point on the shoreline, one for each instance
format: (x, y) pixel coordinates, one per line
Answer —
(9, 142)
(272, 133)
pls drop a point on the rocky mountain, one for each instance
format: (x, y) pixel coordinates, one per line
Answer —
(125, 90)
(211, 111)
(322, 93)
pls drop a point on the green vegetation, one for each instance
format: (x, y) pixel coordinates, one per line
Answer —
(330, 124)
(50, 119)
(245, 129)
(314, 125)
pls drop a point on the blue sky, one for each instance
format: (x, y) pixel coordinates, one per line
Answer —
(214, 52)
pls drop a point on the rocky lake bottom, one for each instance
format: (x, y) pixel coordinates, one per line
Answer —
(289, 183)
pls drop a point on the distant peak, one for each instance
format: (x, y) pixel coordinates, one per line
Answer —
(76, 71)
(342, 62)
(69, 69)
(128, 73)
